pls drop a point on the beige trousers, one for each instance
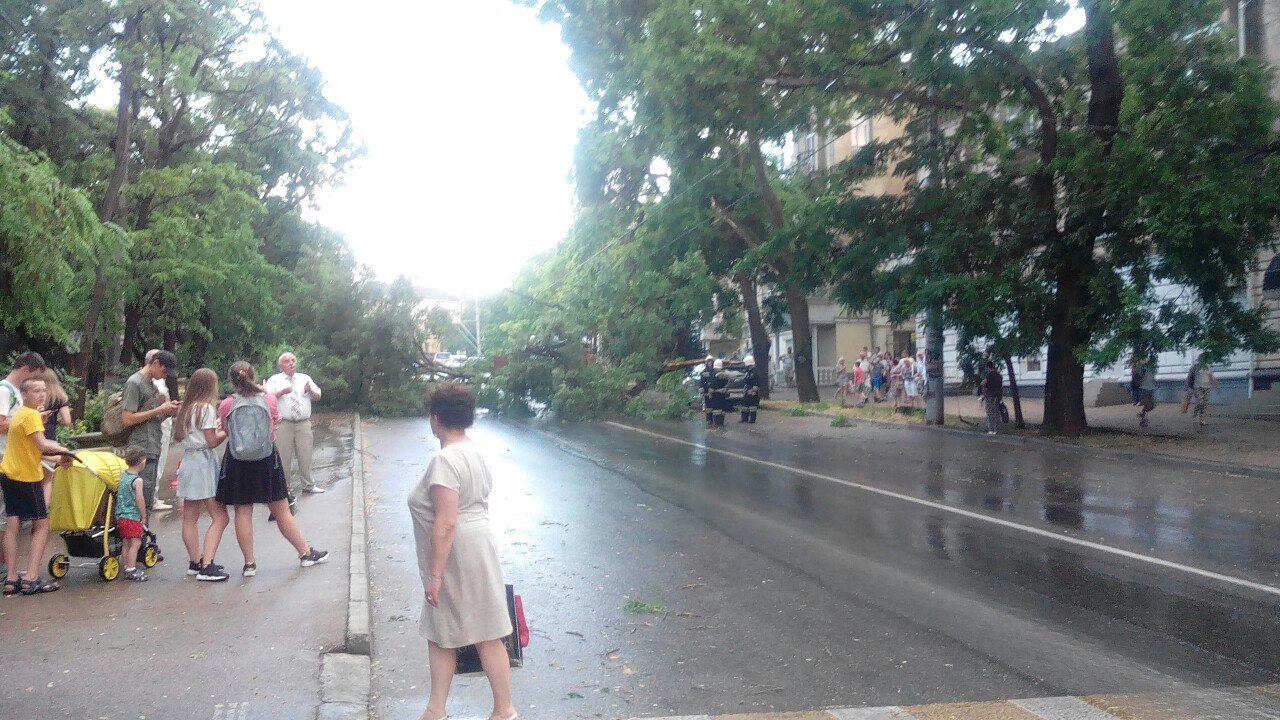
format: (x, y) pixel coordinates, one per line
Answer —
(294, 440)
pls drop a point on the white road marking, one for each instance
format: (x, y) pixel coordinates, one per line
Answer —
(1038, 532)
(1062, 708)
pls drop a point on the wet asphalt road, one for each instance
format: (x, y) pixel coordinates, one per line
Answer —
(175, 649)
(782, 591)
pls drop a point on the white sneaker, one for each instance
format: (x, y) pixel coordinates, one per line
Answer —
(313, 490)
(159, 505)
(991, 432)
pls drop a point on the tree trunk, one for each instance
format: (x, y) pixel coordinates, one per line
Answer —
(935, 409)
(1018, 420)
(132, 318)
(802, 339)
(1064, 381)
(759, 333)
(1069, 333)
(112, 209)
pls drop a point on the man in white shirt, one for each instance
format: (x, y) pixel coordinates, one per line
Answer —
(295, 391)
(28, 365)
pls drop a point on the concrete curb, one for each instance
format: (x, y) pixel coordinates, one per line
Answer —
(358, 640)
(346, 673)
(1134, 455)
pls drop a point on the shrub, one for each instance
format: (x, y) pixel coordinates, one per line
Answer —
(840, 420)
(797, 411)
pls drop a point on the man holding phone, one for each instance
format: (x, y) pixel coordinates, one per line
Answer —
(145, 411)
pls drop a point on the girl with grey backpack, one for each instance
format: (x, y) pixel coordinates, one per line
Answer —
(251, 469)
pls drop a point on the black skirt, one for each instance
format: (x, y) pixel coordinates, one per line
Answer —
(249, 482)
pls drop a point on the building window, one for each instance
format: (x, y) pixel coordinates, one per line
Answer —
(1033, 363)
(1271, 278)
(860, 133)
(807, 158)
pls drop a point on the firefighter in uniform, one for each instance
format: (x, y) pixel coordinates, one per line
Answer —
(750, 392)
(719, 393)
(704, 389)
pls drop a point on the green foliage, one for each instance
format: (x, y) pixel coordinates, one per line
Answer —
(797, 411)
(592, 391)
(94, 406)
(640, 606)
(840, 420)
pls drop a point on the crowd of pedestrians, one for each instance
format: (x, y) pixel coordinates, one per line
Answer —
(261, 442)
(877, 377)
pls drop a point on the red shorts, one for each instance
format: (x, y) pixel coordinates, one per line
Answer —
(128, 528)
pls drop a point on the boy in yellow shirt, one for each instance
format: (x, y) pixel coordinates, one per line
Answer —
(21, 476)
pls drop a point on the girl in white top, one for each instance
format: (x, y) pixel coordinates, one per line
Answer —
(196, 428)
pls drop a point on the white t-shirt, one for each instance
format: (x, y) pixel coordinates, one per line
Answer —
(295, 406)
(206, 418)
(10, 401)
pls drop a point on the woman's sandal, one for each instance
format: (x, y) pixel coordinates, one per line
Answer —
(12, 587)
(37, 587)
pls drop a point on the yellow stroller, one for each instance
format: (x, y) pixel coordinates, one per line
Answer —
(83, 511)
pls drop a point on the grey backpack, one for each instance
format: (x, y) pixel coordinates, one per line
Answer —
(249, 428)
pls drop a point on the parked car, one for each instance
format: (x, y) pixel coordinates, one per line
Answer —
(736, 374)
(442, 359)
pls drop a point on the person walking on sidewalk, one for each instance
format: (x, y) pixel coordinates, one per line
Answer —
(251, 471)
(21, 482)
(1200, 381)
(465, 597)
(144, 411)
(1145, 374)
(295, 391)
(992, 396)
(198, 433)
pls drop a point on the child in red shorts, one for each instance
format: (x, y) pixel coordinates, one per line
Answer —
(130, 512)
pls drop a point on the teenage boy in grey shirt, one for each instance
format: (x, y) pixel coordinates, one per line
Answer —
(144, 413)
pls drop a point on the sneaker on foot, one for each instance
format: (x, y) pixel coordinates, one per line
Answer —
(313, 490)
(193, 567)
(250, 569)
(213, 573)
(160, 505)
(136, 575)
(314, 557)
(991, 432)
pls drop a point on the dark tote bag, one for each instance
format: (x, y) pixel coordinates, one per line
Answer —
(516, 642)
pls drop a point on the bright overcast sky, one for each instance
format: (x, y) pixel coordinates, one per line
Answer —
(470, 115)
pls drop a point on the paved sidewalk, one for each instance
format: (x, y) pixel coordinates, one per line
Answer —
(1235, 441)
(178, 649)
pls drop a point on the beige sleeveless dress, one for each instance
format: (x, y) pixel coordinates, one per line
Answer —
(473, 598)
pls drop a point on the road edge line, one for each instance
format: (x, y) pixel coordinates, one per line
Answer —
(1009, 524)
(346, 673)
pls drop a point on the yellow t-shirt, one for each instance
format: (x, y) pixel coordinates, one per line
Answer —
(22, 458)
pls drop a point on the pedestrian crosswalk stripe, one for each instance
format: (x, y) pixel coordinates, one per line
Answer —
(1245, 703)
(880, 713)
(1029, 529)
(1062, 708)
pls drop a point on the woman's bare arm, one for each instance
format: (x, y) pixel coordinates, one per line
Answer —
(443, 531)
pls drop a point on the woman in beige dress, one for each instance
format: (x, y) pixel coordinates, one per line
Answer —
(466, 600)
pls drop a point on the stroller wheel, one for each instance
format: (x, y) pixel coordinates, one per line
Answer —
(109, 568)
(150, 555)
(59, 565)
